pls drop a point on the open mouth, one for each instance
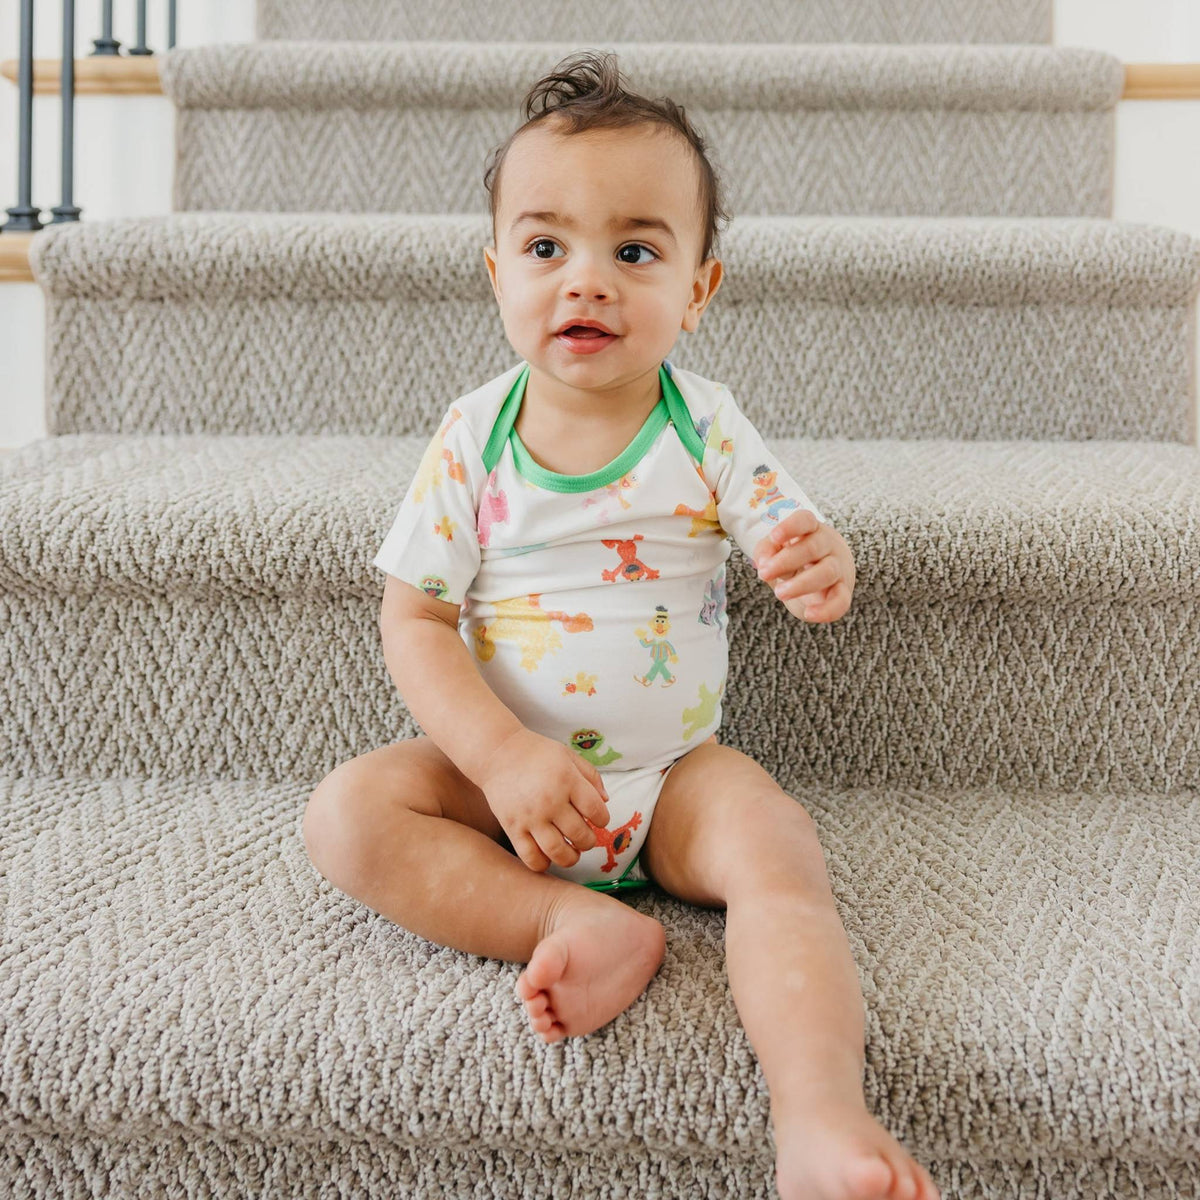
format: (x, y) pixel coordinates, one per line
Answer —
(583, 339)
(584, 331)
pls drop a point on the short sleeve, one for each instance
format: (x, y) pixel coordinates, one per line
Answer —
(433, 543)
(753, 490)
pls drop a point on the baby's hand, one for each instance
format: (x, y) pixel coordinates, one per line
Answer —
(541, 791)
(823, 591)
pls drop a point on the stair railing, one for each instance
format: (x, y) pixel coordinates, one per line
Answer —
(23, 217)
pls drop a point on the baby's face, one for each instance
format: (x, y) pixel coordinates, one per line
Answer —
(640, 282)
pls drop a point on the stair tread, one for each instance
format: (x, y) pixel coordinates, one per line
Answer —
(1003, 260)
(292, 513)
(313, 74)
(178, 923)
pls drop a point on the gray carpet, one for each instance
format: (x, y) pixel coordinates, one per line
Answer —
(844, 129)
(720, 21)
(987, 385)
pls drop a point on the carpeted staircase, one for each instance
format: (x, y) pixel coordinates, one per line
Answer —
(987, 384)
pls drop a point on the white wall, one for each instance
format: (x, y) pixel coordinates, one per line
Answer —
(124, 145)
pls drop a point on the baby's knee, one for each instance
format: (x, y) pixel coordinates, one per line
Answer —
(326, 817)
(342, 819)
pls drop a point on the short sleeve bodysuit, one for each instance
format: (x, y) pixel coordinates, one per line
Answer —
(594, 605)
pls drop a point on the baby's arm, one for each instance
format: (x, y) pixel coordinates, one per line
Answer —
(432, 668)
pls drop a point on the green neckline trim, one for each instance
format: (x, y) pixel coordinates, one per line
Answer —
(671, 408)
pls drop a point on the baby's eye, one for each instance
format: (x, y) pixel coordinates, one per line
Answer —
(635, 246)
(540, 242)
(551, 242)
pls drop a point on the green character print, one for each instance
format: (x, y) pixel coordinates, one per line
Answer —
(588, 743)
(660, 649)
(431, 585)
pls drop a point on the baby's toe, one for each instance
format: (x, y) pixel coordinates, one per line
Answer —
(908, 1186)
(870, 1174)
(538, 1004)
(929, 1189)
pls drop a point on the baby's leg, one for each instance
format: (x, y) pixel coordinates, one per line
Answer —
(403, 830)
(726, 835)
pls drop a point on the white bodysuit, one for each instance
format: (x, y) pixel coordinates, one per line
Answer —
(594, 605)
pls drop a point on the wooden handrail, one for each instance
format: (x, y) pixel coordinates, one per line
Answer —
(1162, 81)
(138, 76)
(14, 258)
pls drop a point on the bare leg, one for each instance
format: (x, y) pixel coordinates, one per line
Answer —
(726, 835)
(795, 986)
(590, 956)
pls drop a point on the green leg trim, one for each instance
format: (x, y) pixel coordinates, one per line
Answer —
(622, 884)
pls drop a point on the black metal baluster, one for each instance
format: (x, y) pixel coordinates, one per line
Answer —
(24, 218)
(105, 44)
(140, 48)
(67, 211)
(170, 24)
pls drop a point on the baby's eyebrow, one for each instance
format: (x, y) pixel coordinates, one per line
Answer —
(553, 218)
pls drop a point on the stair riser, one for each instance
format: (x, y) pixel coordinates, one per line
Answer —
(851, 129)
(823, 330)
(658, 21)
(891, 163)
(1072, 694)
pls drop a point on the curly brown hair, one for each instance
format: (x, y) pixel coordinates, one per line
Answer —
(585, 91)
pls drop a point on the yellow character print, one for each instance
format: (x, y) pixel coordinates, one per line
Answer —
(660, 649)
(582, 685)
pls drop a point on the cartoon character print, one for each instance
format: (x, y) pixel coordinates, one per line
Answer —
(582, 685)
(626, 483)
(701, 716)
(493, 509)
(435, 586)
(429, 473)
(615, 841)
(704, 520)
(587, 743)
(765, 492)
(429, 477)
(713, 607)
(522, 620)
(631, 567)
(660, 649)
(718, 440)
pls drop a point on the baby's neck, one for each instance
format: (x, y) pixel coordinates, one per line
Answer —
(587, 431)
(552, 404)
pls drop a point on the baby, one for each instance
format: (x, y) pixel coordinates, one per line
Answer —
(554, 617)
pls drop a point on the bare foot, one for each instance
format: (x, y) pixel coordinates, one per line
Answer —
(592, 965)
(834, 1149)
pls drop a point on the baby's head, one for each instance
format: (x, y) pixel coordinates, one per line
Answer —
(601, 159)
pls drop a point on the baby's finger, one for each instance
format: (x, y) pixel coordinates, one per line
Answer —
(586, 799)
(529, 852)
(554, 846)
(594, 776)
(575, 829)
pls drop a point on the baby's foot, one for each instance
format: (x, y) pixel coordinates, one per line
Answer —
(834, 1149)
(592, 965)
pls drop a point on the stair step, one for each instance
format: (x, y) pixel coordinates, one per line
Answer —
(945, 130)
(167, 946)
(659, 21)
(1025, 612)
(970, 328)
